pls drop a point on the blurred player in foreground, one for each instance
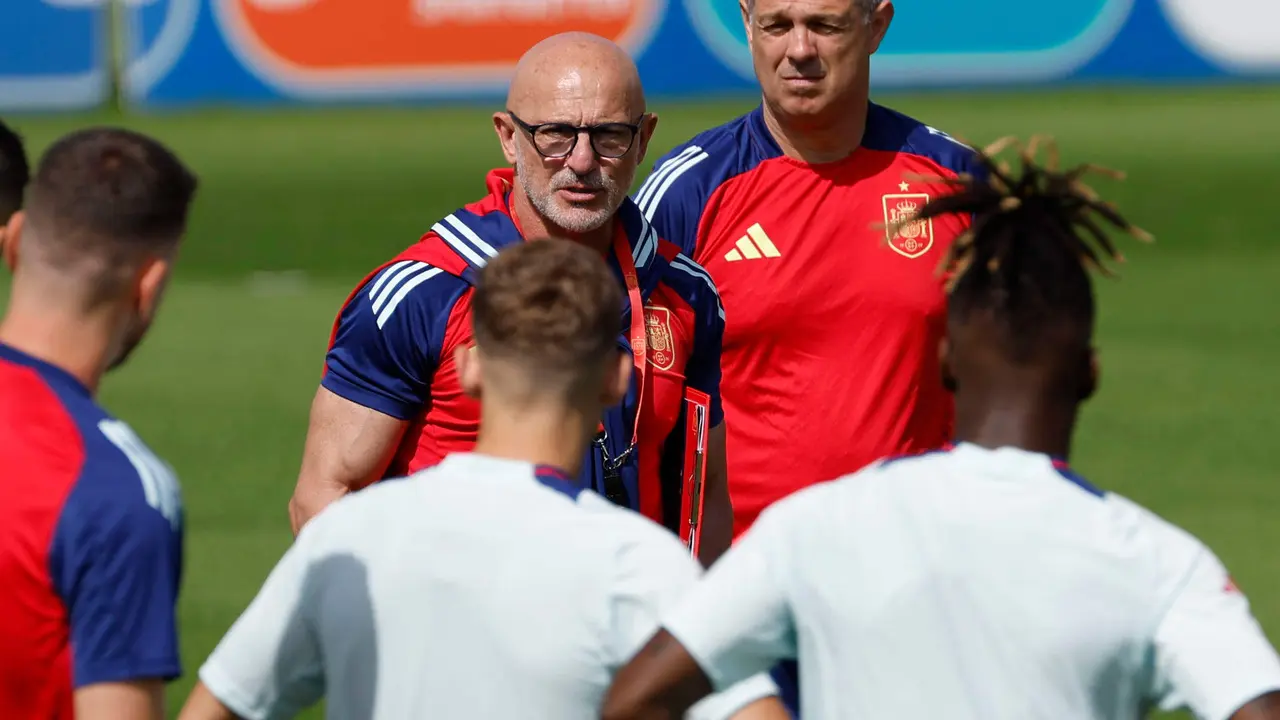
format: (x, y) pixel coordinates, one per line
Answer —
(90, 520)
(575, 129)
(987, 580)
(492, 585)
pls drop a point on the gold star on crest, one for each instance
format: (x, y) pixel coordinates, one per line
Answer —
(904, 186)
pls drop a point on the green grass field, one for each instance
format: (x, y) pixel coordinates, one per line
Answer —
(1187, 421)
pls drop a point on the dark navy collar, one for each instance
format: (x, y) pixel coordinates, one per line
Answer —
(51, 373)
(557, 479)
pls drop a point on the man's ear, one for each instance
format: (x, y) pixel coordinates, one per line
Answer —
(944, 363)
(506, 129)
(617, 378)
(467, 361)
(746, 17)
(881, 19)
(1092, 376)
(648, 124)
(149, 285)
(11, 238)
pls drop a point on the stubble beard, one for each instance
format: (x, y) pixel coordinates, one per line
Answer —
(574, 220)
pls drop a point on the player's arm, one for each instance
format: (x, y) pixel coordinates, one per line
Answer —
(348, 447)
(1266, 707)
(1211, 656)
(202, 705)
(717, 516)
(731, 626)
(121, 701)
(268, 664)
(117, 564)
(703, 373)
(377, 377)
(651, 575)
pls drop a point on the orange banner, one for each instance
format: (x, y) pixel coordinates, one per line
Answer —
(355, 35)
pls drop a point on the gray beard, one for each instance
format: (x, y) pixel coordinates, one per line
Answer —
(576, 223)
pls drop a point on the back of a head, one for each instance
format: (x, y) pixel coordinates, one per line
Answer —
(103, 201)
(14, 172)
(1020, 274)
(545, 317)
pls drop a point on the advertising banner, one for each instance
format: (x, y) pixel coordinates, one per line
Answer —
(53, 54)
(186, 52)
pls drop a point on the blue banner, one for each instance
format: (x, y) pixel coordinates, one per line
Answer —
(53, 54)
(184, 52)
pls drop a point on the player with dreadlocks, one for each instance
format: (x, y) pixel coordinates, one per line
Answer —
(986, 580)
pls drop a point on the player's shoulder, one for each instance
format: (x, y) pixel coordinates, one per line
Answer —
(43, 409)
(641, 551)
(124, 476)
(1167, 547)
(694, 169)
(408, 289)
(100, 463)
(624, 530)
(859, 490)
(690, 281)
(888, 130)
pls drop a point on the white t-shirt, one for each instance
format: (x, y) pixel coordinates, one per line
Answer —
(481, 588)
(977, 584)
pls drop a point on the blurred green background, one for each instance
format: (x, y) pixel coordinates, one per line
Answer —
(295, 207)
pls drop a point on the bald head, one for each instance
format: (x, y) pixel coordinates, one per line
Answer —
(575, 128)
(572, 72)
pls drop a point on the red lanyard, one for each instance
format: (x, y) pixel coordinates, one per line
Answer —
(638, 338)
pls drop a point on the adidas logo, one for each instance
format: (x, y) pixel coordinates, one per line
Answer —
(753, 246)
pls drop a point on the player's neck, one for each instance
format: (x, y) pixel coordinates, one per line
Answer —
(75, 343)
(1027, 420)
(818, 141)
(533, 226)
(555, 436)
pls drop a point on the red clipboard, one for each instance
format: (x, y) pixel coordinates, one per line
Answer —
(697, 405)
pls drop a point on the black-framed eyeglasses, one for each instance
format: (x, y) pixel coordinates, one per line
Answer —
(557, 140)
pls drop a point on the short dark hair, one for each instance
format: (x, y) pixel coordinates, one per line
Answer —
(15, 173)
(110, 194)
(551, 305)
(1025, 259)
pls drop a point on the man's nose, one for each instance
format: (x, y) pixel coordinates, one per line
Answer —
(583, 159)
(800, 46)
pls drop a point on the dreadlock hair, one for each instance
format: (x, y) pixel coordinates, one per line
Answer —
(1025, 258)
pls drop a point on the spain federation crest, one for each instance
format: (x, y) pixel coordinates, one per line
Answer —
(914, 238)
(657, 326)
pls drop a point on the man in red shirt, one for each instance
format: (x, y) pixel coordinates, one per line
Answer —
(830, 358)
(91, 521)
(575, 128)
(830, 348)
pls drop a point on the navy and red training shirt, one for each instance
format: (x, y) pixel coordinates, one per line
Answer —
(830, 353)
(393, 345)
(91, 535)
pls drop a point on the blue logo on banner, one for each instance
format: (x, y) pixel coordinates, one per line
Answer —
(943, 41)
(157, 35)
(54, 56)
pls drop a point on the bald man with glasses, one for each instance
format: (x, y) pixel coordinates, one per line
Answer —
(574, 131)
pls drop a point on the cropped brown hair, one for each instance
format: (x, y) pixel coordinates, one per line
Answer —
(551, 305)
(111, 197)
